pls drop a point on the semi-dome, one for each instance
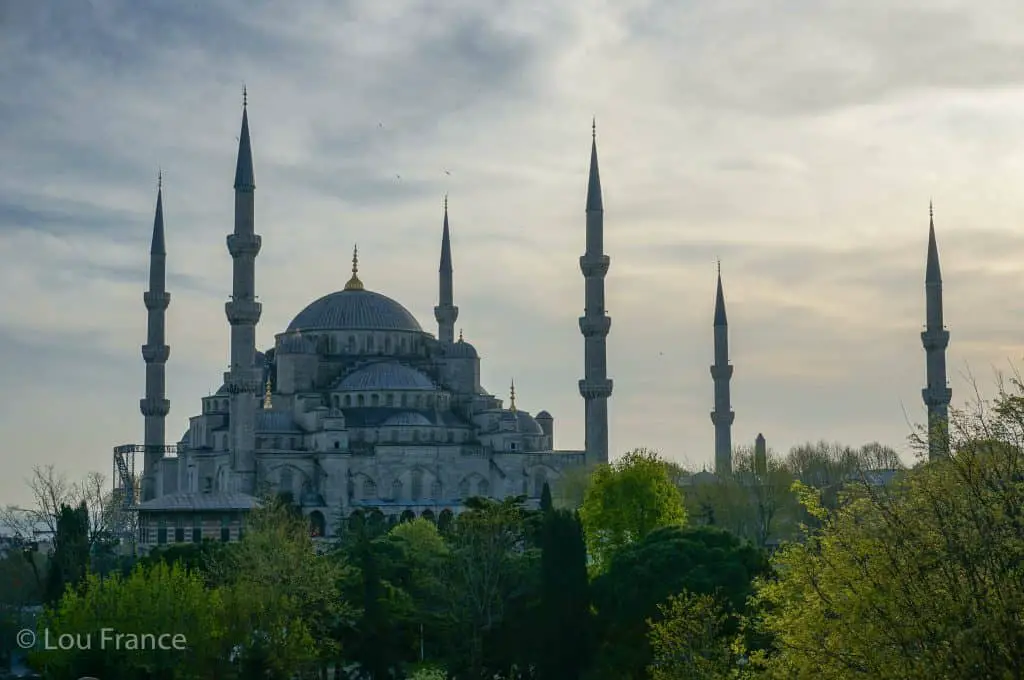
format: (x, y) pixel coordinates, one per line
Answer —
(527, 423)
(353, 309)
(385, 376)
(407, 419)
(460, 350)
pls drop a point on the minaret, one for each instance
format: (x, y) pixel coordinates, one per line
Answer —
(155, 406)
(721, 373)
(244, 380)
(935, 339)
(446, 312)
(595, 388)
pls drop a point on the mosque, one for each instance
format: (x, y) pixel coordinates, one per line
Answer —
(357, 409)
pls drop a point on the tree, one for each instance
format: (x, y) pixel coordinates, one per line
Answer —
(484, 571)
(668, 561)
(51, 491)
(281, 594)
(70, 560)
(688, 641)
(162, 600)
(626, 501)
(565, 617)
(922, 579)
(546, 503)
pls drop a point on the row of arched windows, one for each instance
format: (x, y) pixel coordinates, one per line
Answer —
(372, 343)
(393, 399)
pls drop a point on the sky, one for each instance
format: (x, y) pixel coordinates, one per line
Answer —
(799, 143)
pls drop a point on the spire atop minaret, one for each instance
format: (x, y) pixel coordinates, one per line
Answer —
(935, 339)
(512, 396)
(595, 388)
(932, 272)
(720, 319)
(157, 246)
(446, 313)
(721, 373)
(594, 200)
(244, 179)
(354, 283)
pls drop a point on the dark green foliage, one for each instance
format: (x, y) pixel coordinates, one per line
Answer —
(193, 557)
(565, 619)
(701, 560)
(545, 498)
(70, 560)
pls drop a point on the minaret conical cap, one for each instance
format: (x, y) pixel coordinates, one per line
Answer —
(157, 246)
(720, 319)
(594, 200)
(244, 180)
(932, 273)
(446, 242)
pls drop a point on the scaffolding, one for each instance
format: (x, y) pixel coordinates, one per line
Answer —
(127, 491)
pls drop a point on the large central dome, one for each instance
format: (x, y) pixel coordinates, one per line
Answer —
(352, 309)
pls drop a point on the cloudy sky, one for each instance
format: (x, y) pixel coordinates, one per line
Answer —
(798, 142)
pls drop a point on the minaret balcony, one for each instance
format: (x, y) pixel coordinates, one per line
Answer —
(244, 382)
(935, 339)
(244, 244)
(156, 301)
(591, 326)
(595, 388)
(722, 417)
(721, 372)
(153, 406)
(937, 396)
(594, 265)
(446, 313)
(155, 354)
(243, 312)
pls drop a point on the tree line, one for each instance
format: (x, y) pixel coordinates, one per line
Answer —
(803, 568)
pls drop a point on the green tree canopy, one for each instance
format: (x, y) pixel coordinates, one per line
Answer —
(670, 560)
(626, 501)
(922, 580)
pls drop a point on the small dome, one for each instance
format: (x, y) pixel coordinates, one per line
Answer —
(355, 310)
(407, 419)
(543, 415)
(387, 376)
(461, 350)
(527, 423)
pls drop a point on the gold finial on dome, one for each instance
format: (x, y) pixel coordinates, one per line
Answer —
(266, 396)
(354, 283)
(460, 336)
(512, 397)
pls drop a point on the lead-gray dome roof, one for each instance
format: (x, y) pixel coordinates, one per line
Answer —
(407, 418)
(355, 310)
(386, 376)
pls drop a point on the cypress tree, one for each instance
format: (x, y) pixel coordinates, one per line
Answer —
(545, 499)
(565, 593)
(70, 559)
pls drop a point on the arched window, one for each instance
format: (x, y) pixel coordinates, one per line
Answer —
(401, 344)
(352, 344)
(369, 489)
(389, 399)
(483, 488)
(435, 490)
(360, 400)
(369, 343)
(419, 401)
(405, 399)
(348, 400)
(285, 482)
(387, 344)
(464, 488)
(375, 399)
(416, 485)
(396, 489)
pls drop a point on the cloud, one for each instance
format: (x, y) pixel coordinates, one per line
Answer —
(799, 144)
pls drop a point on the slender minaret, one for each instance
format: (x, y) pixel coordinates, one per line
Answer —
(155, 406)
(721, 373)
(595, 388)
(244, 380)
(935, 339)
(446, 312)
